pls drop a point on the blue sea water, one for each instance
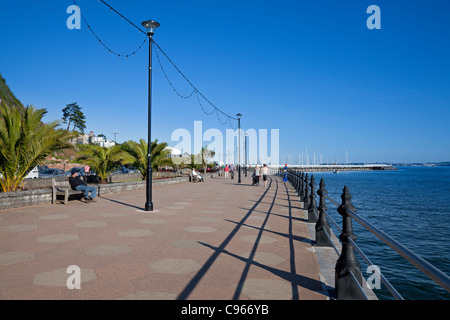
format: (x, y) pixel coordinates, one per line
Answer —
(412, 205)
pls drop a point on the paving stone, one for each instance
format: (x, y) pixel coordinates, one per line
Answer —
(9, 258)
(19, 228)
(187, 244)
(200, 229)
(108, 250)
(175, 266)
(135, 233)
(262, 239)
(267, 289)
(266, 258)
(153, 221)
(54, 217)
(58, 238)
(91, 224)
(58, 277)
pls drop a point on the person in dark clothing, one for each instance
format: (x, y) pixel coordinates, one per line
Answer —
(79, 185)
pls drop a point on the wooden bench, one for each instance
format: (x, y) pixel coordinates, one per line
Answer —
(62, 187)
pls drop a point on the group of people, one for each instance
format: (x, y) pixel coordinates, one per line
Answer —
(229, 170)
(260, 171)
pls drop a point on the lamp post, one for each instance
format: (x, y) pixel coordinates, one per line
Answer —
(245, 154)
(150, 25)
(239, 145)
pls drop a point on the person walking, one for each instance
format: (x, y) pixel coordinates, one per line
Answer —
(226, 171)
(265, 173)
(256, 174)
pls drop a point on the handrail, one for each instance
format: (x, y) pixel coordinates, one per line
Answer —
(385, 281)
(427, 268)
(361, 290)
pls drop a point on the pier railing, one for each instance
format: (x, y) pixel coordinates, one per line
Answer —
(348, 275)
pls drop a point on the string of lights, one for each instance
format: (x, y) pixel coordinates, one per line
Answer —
(103, 43)
(170, 82)
(216, 109)
(198, 94)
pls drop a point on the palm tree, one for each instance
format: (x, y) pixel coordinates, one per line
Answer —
(101, 159)
(138, 155)
(25, 142)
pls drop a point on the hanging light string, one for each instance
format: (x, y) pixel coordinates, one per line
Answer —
(170, 82)
(197, 93)
(216, 110)
(103, 44)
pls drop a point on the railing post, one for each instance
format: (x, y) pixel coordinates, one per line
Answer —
(312, 208)
(301, 192)
(306, 198)
(322, 226)
(345, 286)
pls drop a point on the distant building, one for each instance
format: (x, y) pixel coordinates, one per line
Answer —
(92, 138)
(102, 142)
(174, 152)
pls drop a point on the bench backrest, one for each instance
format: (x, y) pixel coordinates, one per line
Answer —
(60, 183)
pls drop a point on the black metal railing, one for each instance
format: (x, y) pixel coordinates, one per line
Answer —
(348, 275)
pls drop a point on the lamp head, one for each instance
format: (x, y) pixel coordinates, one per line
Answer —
(239, 115)
(150, 25)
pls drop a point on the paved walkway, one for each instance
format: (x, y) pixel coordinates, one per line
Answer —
(217, 240)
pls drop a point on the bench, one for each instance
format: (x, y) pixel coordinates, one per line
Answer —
(62, 187)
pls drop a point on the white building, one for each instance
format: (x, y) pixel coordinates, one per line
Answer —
(174, 152)
(102, 142)
(92, 138)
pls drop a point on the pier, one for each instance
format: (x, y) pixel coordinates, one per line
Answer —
(339, 167)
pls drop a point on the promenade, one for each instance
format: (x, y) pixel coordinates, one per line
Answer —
(218, 240)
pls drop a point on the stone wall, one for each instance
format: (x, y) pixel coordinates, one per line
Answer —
(134, 185)
(16, 199)
(25, 198)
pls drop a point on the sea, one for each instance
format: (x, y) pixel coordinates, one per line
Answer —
(412, 205)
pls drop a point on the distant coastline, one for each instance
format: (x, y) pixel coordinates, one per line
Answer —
(422, 164)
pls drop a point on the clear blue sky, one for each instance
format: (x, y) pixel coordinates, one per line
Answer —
(311, 69)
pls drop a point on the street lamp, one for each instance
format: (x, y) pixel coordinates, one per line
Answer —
(245, 153)
(150, 25)
(239, 144)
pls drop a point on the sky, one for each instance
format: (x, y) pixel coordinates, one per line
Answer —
(312, 70)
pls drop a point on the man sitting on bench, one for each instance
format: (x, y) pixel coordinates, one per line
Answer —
(79, 185)
(196, 175)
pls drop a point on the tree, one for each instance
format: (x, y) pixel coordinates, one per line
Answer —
(101, 159)
(72, 114)
(206, 156)
(25, 142)
(138, 155)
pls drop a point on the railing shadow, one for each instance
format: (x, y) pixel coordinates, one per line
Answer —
(200, 273)
(291, 276)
